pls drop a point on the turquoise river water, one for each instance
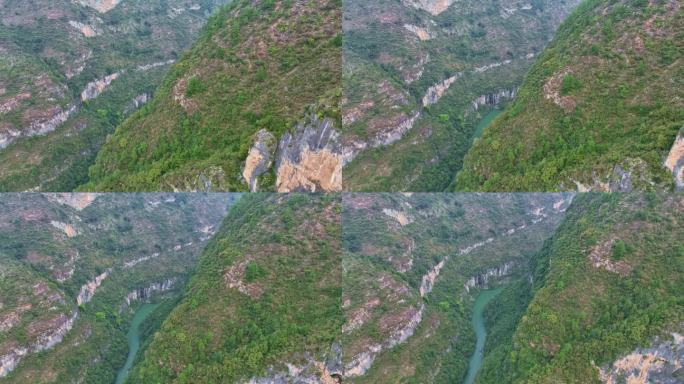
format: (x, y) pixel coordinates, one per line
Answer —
(478, 324)
(133, 337)
(485, 121)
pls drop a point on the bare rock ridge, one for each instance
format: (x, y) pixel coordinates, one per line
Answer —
(53, 335)
(309, 159)
(658, 363)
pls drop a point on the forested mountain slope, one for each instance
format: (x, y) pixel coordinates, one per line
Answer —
(264, 303)
(607, 303)
(253, 105)
(602, 109)
(74, 266)
(421, 77)
(413, 266)
(71, 70)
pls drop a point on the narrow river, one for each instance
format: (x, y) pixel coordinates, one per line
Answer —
(478, 323)
(485, 121)
(133, 337)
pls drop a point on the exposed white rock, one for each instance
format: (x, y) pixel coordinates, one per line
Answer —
(45, 341)
(435, 7)
(420, 32)
(659, 363)
(399, 216)
(39, 127)
(360, 363)
(78, 201)
(135, 262)
(147, 67)
(259, 159)
(436, 92)
(482, 280)
(88, 290)
(147, 292)
(95, 88)
(491, 99)
(352, 149)
(68, 229)
(86, 29)
(102, 6)
(508, 12)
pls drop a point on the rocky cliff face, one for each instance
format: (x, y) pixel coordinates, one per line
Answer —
(146, 293)
(662, 362)
(310, 159)
(482, 280)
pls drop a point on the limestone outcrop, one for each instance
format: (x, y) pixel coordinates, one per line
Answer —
(310, 159)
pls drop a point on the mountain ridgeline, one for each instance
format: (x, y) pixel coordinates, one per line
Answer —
(602, 108)
(252, 106)
(264, 303)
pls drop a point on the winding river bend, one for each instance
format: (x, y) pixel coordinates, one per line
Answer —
(133, 337)
(478, 323)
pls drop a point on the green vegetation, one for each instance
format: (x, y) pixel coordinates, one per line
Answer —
(263, 65)
(42, 271)
(389, 73)
(289, 303)
(616, 70)
(377, 259)
(49, 62)
(582, 316)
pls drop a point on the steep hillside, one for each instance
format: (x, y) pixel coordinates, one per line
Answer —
(264, 303)
(254, 105)
(600, 110)
(73, 268)
(607, 305)
(420, 78)
(413, 267)
(71, 70)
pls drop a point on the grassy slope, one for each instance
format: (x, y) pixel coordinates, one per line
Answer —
(134, 33)
(256, 65)
(625, 63)
(287, 245)
(582, 314)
